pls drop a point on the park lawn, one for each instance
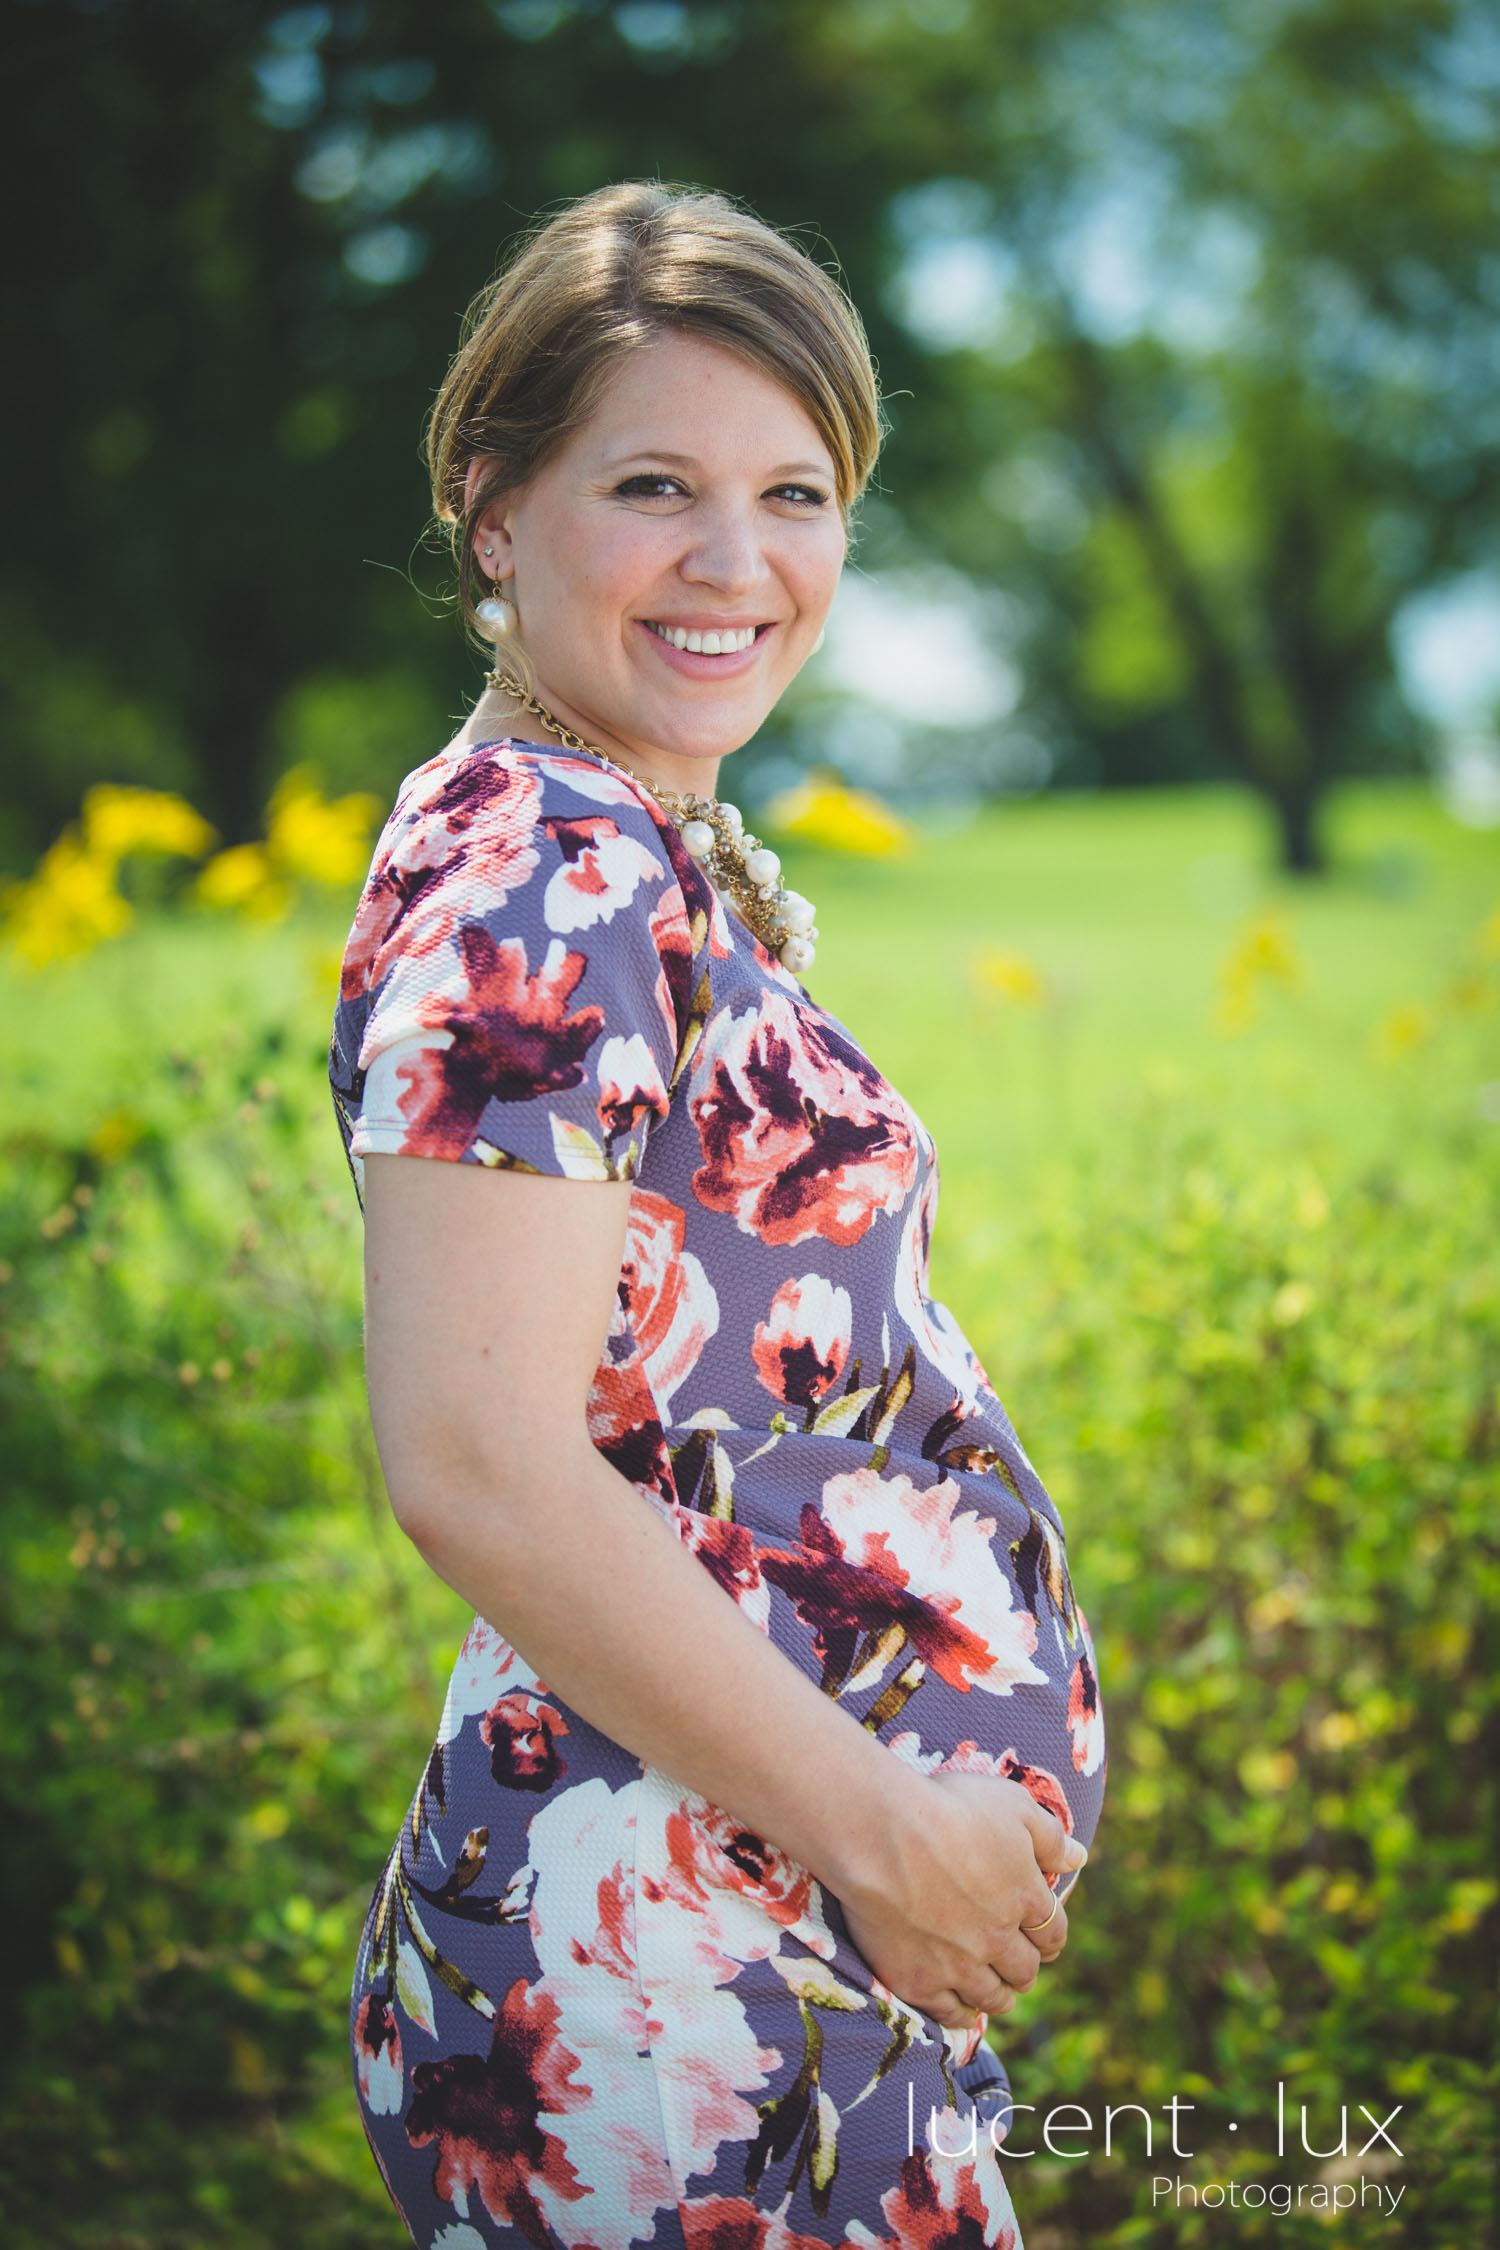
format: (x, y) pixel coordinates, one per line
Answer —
(1128, 908)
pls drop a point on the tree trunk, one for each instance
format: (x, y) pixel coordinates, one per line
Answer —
(1298, 828)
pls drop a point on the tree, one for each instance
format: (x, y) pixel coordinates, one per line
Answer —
(1188, 321)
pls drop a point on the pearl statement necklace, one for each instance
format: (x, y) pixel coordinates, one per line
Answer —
(740, 867)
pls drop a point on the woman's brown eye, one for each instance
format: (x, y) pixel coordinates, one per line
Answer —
(649, 488)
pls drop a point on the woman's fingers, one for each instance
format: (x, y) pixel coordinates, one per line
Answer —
(1057, 1853)
(1050, 1938)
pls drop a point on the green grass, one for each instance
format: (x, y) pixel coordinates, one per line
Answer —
(1127, 905)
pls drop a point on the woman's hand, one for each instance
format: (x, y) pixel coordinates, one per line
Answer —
(945, 1924)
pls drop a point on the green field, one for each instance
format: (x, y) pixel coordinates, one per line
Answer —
(1127, 905)
(1238, 1284)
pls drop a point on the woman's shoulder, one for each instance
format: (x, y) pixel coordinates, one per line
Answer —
(526, 841)
(513, 792)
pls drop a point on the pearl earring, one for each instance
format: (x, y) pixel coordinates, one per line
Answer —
(818, 643)
(495, 616)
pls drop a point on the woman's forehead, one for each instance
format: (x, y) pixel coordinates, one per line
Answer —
(681, 400)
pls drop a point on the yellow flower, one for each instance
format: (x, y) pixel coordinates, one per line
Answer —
(1002, 975)
(318, 839)
(824, 811)
(69, 906)
(1397, 1033)
(118, 821)
(1263, 954)
(243, 878)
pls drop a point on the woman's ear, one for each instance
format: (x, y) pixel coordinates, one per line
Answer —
(492, 542)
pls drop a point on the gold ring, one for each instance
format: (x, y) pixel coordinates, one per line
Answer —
(1030, 1928)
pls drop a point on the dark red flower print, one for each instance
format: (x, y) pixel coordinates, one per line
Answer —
(848, 1603)
(801, 1347)
(801, 1136)
(464, 829)
(940, 2203)
(1085, 1719)
(727, 1552)
(511, 1040)
(485, 2115)
(624, 1424)
(728, 2222)
(678, 942)
(520, 1732)
(377, 2055)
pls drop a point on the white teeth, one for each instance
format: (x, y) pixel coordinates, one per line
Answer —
(706, 644)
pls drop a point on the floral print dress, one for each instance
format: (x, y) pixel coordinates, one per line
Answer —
(589, 2008)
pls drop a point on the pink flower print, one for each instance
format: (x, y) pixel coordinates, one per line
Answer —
(485, 2114)
(946, 2203)
(520, 1732)
(629, 1081)
(801, 1348)
(667, 1302)
(465, 833)
(1085, 1719)
(925, 1542)
(582, 1854)
(801, 1136)
(886, 1564)
(713, 1851)
(377, 2055)
(600, 872)
(1009, 1765)
(513, 1039)
(729, 1896)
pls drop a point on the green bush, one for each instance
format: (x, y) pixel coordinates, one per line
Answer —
(1271, 1414)
(214, 1668)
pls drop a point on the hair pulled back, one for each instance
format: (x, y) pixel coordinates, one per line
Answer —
(609, 273)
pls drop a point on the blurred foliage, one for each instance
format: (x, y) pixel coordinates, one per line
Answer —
(72, 901)
(1271, 1415)
(1264, 1386)
(1188, 319)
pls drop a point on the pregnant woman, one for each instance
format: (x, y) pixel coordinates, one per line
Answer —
(775, 1741)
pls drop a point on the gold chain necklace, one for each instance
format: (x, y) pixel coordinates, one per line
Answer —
(740, 867)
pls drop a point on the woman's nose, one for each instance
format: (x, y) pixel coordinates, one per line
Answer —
(725, 552)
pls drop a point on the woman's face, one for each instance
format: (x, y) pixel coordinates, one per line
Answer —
(698, 500)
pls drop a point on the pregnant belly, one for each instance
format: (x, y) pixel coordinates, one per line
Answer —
(937, 1608)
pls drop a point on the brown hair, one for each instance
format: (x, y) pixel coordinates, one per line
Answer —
(608, 274)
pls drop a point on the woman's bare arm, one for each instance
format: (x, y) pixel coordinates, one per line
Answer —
(488, 1295)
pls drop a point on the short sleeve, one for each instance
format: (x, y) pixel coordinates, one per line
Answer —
(520, 973)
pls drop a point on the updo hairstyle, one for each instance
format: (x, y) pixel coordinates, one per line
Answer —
(610, 273)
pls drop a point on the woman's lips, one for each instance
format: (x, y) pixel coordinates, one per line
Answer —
(701, 664)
